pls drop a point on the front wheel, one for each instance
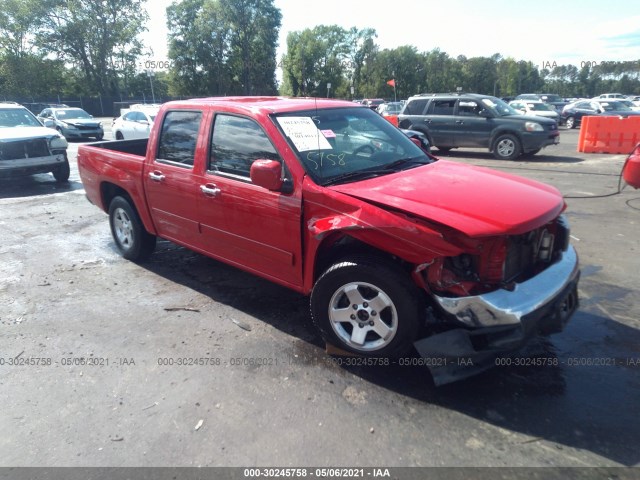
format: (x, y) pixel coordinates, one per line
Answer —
(62, 172)
(128, 232)
(506, 147)
(570, 122)
(368, 306)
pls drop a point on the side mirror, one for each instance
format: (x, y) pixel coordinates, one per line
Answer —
(49, 123)
(267, 174)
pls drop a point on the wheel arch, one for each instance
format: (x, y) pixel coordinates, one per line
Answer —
(108, 191)
(504, 131)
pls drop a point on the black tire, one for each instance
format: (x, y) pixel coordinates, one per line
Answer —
(119, 136)
(380, 316)
(129, 234)
(531, 153)
(507, 147)
(570, 122)
(443, 149)
(61, 172)
(100, 137)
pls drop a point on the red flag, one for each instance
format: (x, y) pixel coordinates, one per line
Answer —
(392, 82)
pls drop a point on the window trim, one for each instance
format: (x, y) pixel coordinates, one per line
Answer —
(164, 161)
(233, 176)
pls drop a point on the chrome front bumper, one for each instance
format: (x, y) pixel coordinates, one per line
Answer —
(505, 307)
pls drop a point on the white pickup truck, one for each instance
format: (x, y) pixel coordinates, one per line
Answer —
(27, 147)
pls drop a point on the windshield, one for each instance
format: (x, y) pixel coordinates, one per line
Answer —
(500, 108)
(552, 98)
(539, 107)
(17, 117)
(610, 105)
(347, 144)
(72, 113)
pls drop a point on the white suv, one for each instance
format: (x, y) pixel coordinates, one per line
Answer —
(27, 147)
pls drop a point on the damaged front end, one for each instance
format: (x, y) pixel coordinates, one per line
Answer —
(496, 299)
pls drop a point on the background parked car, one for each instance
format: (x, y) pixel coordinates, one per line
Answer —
(482, 121)
(635, 106)
(27, 148)
(373, 103)
(535, 108)
(572, 114)
(136, 123)
(389, 108)
(72, 122)
(556, 101)
(611, 96)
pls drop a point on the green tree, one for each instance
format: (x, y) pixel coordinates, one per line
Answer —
(223, 47)
(329, 54)
(253, 27)
(97, 36)
(18, 20)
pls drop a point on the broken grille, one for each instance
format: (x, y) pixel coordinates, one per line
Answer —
(24, 149)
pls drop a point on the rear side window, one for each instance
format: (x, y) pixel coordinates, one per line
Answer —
(469, 108)
(236, 143)
(441, 107)
(178, 137)
(415, 107)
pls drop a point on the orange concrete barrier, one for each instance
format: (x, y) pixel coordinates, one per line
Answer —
(393, 119)
(600, 134)
(631, 170)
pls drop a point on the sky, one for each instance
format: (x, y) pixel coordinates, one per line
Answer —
(540, 31)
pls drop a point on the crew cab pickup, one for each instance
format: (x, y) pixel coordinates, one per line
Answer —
(399, 252)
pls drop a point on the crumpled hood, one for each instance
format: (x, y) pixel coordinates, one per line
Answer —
(23, 133)
(85, 122)
(476, 201)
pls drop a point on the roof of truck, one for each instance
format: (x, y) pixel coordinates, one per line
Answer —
(271, 104)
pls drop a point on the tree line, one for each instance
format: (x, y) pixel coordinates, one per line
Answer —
(64, 48)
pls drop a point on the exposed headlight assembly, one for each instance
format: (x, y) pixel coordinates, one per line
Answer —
(57, 143)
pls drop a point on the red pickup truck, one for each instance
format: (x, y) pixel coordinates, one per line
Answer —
(396, 248)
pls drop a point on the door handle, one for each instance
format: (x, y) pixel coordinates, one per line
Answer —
(460, 122)
(210, 190)
(156, 176)
(427, 120)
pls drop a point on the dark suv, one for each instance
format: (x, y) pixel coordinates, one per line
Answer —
(473, 120)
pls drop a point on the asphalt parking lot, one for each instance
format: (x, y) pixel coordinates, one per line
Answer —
(184, 361)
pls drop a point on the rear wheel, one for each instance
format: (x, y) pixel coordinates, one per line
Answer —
(506, 147)
(367, 305)
(128, 232)
(119, 136)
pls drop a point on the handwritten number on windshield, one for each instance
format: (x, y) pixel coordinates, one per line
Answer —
(319, 159)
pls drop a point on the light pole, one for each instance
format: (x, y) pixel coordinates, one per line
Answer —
(150, 75)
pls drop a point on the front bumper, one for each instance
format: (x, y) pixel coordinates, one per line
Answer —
(509, 307)
(537, 140)
(502, 321)
(30, 166)
(77, 133)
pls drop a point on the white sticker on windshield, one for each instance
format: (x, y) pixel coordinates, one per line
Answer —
(304, 133)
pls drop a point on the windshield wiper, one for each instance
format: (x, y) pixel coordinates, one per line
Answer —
(359, 175)
(415, 161)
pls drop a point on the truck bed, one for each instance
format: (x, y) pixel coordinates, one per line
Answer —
(137, 146)
(114, 164)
